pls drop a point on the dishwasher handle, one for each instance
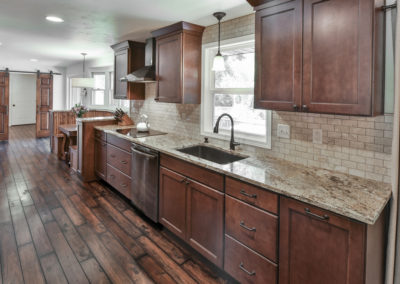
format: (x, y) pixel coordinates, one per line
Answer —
(148, 156)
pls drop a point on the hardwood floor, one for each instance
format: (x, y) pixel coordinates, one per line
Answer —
(56, 229)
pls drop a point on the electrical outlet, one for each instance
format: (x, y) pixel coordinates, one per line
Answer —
(284, 131)
(317, 136)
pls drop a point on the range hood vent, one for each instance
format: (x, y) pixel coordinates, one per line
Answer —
(147, 74)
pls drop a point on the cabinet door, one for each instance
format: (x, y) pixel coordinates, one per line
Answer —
(173, 202)
(121, 61)
(338, 56)
(317, 246)
(205, 221)
(100, 158)
(278, 57)
(169, 69)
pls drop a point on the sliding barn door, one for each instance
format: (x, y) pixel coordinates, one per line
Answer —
(44, 103)
(4, 95)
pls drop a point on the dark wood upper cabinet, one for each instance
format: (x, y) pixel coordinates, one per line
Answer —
(128, 57)
(278, 57)
(319, 56)
(178, 63)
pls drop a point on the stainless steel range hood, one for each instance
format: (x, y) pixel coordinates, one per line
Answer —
(147, 74)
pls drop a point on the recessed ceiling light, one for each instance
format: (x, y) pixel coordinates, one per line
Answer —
(54, 19)
(34, 60)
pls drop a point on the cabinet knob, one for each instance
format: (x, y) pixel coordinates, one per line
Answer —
(296, 107)
(304, 108)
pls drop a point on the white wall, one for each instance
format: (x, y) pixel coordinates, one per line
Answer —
(22, 99)
(59, 92)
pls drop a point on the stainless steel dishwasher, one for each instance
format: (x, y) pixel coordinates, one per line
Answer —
(144, 184)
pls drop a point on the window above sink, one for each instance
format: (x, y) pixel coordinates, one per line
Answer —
(232, 91)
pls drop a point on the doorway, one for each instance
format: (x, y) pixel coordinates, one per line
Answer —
(22, 99)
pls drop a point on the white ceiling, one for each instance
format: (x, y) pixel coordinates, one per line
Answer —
(93, 25)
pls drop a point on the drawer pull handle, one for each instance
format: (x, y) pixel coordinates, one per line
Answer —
(245, 270)
(184, 180)
(112, 176)
(323, 218)
(112, 156)
(123, 185)
(105, 144)
(248, 194)
(124, 162)
(247, 228)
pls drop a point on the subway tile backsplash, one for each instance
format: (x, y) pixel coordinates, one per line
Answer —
(355, 145)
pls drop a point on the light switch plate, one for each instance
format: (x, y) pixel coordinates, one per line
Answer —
(284, 131)
(317, 136)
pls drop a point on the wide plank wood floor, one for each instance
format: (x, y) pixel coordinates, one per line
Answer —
(56, 229)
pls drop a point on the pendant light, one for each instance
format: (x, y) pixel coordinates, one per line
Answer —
(219, 64)
(83, 82)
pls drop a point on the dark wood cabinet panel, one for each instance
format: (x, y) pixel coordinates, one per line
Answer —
(338, 57)
(278, 56)
(253, 227)
(251, 194)
(128, 57)
(205, 221)
(178, 63)
(44, 103)
(119, 181)
(119, 159)
(319, 56)
(200, 174)
(172, 206)
(317, 246)
(100, 158)
(4, 105)
(169, 69)
(248, 266)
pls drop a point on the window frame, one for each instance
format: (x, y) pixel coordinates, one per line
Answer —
(106, 87)
(207, 96)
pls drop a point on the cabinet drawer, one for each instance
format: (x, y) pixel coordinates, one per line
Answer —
(98, 134)
(119, 181)
(253, 227)
(252, 194)
(119, 159)
(119, 142)
(247, 266)
(207, 177)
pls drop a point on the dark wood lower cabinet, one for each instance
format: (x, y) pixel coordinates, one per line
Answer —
(100, 158)
(247, 266)
(317, 246)
(205, 221)
(172, 206)
(194, 212)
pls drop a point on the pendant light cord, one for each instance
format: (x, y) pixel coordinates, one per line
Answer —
(219, 37)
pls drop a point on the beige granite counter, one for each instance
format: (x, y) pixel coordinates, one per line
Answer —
(350, 196)
(97, 118)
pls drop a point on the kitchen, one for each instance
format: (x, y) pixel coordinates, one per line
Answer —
(260, 148)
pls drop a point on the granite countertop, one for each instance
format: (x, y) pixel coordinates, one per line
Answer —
(357, 198)
(97, 118)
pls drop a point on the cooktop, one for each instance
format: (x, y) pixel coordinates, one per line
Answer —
(133, 132)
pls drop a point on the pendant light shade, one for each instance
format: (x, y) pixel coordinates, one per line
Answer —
(83, 82)
(219, 63)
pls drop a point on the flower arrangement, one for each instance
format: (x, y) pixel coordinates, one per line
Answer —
(79, 110)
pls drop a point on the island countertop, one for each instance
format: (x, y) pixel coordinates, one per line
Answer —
(353, 197)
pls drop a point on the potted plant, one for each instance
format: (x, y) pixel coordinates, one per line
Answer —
(79, 110)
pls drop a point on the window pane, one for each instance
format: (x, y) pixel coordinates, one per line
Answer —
(241, 108)
(99, 81)
(239, 70)
(98, 98)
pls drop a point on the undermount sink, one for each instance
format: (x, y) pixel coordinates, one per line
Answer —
(211, 154)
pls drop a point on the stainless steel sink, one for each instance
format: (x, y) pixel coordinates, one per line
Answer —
(212, 154)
